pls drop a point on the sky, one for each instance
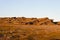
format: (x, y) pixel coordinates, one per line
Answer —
(30, 8)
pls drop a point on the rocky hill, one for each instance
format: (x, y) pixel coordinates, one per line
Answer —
(21, 28)
(26, 21)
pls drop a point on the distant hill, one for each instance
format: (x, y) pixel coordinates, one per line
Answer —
(27, 21)
(21, 28)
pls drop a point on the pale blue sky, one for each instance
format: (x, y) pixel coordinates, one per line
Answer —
(30, 8)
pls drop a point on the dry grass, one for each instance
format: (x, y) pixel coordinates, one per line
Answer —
(30, 32)
(29, 29)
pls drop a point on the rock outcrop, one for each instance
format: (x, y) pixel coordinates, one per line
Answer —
(27, 21)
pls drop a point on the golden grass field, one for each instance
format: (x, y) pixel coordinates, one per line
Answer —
(27, 29)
